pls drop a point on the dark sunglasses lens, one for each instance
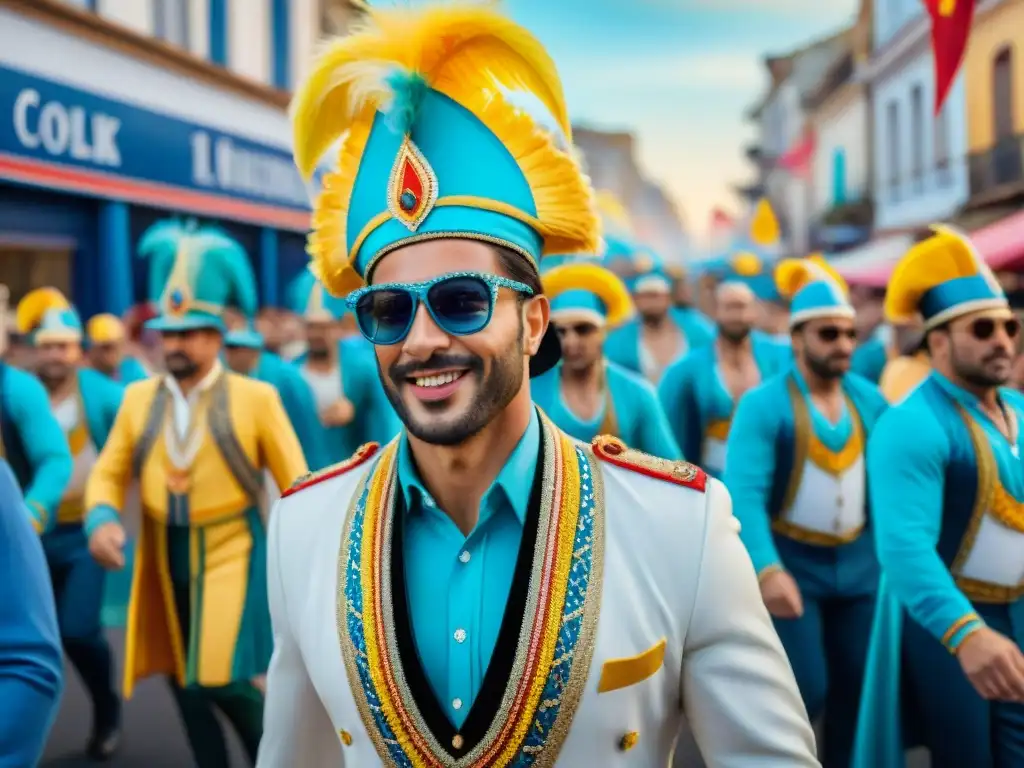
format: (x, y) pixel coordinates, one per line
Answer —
(1012, 328)
(460, 305)
(828, 334)
(983, 329)
(384, 316)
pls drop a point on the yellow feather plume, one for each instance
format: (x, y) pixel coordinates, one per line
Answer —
(456, 48)
(746, 264)
(601, 282)
(613, 211)
(828, 269)
(104, 329)
(764, 227)
(468, 52)
(35, 305)
(944, 256)
(793, 274)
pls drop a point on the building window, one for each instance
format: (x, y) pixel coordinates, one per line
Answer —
(1002, 94)
(280, 31)
(171, 22)
(86, 5)
(892, 133)
(917, 137)
(940, 141)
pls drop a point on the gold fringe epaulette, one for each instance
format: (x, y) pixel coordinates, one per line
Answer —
(363, 454)
(614, 451)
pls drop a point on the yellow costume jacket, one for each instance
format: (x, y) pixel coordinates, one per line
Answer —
(216, 500)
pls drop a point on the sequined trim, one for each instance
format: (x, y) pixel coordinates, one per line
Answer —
(556, 642)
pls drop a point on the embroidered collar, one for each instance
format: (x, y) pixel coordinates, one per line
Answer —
(513, 483)
(555, 642)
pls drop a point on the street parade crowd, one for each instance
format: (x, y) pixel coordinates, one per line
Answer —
(500, 486)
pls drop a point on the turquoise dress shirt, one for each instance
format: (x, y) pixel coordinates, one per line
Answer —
(457, 586)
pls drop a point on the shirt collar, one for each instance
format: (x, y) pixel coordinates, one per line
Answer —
(514, 482)
(204, 384)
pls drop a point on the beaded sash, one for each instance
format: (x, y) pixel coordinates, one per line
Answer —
(555, 644)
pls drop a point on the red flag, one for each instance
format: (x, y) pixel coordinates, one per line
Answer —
(797, 160)
(721, 221)
(951, 26)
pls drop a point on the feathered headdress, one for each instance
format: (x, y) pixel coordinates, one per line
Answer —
(195, 273)
(814, 289)
(34, 306)
(940, 278)
(764, 227)
(431, 147)
(590, 288)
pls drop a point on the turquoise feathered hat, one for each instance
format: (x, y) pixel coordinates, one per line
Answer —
(195, 273)
(307, 297)
(45, 315)
(247, 337)
(590, 291)
(941, 278)
(650, 274)
(814, 290)
(431, 147)
(753, 271)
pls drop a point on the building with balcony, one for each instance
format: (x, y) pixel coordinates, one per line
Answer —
(123, 112)
(994, 77)
(840, 117)
(785, 130)
(920, 158)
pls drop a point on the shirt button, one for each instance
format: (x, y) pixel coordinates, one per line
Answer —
(456, 703)
(460, 635)
(464, 556)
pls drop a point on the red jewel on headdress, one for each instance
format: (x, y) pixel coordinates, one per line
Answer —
(412, 190)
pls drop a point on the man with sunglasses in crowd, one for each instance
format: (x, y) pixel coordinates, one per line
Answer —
(478, 548)
(585, 394)
(795, 466)
(947, 489)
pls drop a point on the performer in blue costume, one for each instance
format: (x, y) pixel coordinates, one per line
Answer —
(245, 354)
(796, 471)
(31, 440)
(947, 490)
(31, 662)
(106, 337)
(650, 342)
(85, 404)
(351, 407)
(700, 391)
(586, 395)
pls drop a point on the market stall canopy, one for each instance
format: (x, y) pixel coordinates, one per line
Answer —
(871, 264)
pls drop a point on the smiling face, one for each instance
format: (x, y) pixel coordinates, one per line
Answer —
(447, 388)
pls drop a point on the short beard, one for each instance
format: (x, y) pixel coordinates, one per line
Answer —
(820, 367)
(734, 335)
(53, 374)
(181, 366)
(496, 390)
(975, 375)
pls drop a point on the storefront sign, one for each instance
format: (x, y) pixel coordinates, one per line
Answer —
(89, 143)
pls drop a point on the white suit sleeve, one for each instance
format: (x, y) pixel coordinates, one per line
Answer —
(297, 730)
(739, 693)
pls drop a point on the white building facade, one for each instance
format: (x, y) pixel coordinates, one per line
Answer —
(920, 159)
(151, 108)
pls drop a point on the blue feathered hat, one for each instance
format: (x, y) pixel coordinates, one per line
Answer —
(247, 337)
(430, 145)
(307, 297)
(45, 315)
(814, 288)
(195, 273)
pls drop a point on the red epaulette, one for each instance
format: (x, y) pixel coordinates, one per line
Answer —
(363, 454)
(616, 452)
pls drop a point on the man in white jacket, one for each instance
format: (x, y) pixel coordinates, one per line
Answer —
(484, 590)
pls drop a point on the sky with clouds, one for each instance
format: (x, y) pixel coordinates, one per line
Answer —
(679, 74)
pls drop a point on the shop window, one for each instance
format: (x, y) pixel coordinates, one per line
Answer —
(940, 140)
(171, 21)
(24, 267)
(892, 133)
(1002, 94)
(917, 137)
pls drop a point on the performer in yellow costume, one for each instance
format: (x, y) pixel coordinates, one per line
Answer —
(198, 440)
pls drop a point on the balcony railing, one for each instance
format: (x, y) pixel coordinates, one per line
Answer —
(1001, 165)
